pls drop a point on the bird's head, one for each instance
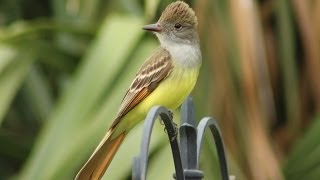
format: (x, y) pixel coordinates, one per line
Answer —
(177, 24)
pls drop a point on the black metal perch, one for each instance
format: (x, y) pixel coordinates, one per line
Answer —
(186, 157)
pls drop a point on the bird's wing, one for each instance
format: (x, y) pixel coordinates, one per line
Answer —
(151, 73)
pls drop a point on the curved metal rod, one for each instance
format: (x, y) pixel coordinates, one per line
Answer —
(213, 125)
(188, 136)
(139, 167)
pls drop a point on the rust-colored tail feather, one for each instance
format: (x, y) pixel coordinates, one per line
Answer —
(101, 157)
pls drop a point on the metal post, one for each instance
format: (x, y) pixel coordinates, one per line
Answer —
(139, 166)
(186, 157)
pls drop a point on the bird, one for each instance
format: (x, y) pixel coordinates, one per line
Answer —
(166, 78)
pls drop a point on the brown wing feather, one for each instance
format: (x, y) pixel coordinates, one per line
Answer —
(151, 73)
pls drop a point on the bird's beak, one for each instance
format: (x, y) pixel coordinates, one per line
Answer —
(153, 27)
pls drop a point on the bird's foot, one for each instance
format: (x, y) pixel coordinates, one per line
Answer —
(175, 131)
(170, 116)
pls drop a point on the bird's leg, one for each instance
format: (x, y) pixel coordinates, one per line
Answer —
(175, 126)
(170, 116)
(161, 121)
(175, 129)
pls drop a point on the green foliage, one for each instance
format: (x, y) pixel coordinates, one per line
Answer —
(65, 66)
(303, 161)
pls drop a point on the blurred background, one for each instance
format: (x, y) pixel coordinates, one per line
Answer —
(65, 66)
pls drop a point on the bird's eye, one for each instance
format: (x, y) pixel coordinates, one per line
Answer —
(178, 26)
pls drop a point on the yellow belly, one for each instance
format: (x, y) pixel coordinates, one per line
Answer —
(170, 93)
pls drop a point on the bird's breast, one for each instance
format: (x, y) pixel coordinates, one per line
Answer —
(173, 90)
(170, 93)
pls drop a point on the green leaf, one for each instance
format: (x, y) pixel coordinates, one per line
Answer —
(305, 157)
(13, 68)
(77, 123)
(151, 8)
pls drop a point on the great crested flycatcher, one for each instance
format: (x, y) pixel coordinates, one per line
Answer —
(166, 78)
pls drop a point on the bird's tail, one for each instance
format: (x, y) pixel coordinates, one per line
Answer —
(101, 157)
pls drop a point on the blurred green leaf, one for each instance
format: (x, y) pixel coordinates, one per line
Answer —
(151, 8)
(287, 61)
(22, 29)
(7, 54)
(15, 66)
(73, 115)
(37, 94)
(62, 81)
(304, 158)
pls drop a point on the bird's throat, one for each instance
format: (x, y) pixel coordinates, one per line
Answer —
(184, 55)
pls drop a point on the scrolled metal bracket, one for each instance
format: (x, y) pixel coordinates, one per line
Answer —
(186, 157)
(139, 166)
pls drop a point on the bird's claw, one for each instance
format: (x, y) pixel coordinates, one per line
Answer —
(170, 116)
(175, 131)
(161, 121)
(175, 126)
